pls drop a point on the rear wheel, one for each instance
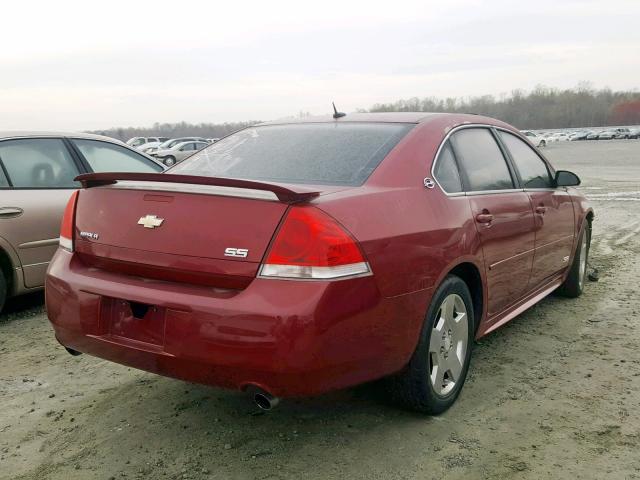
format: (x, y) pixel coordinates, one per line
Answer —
(3, 290)
(573, 286)
(434, 377)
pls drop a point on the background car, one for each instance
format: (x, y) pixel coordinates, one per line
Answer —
(178, 152)
(594, 135)
(37, 172)
(265, 267)
(622, 132)
(168, 144)
(607, 135)
(537, 140)
(635, 133)
(580, 135)
(560, 137)
(136, 142)
(149, 146)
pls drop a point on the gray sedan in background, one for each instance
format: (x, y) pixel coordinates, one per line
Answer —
(172, 142)
(178, 152)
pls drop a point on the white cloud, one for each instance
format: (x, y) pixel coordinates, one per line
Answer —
(72, 65)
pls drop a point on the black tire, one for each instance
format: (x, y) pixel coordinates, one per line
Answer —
(543, 144)
(413, 388)
(169, 161)
(3, 291)
(573, 285)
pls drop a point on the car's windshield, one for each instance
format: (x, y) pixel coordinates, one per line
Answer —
(312, 153)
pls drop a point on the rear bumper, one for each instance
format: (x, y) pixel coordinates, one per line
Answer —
(291, 338)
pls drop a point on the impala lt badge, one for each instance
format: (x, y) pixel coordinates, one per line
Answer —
(89, 235)
(150, 221)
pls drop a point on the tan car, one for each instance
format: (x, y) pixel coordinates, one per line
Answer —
(37, 172)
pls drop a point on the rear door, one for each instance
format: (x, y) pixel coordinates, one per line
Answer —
(502, 212)
(39, 175)
(553, 210)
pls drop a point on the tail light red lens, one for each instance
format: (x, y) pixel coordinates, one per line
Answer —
(68, 223)
(311, 244)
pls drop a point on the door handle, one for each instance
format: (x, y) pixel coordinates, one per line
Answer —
(10, 212)
(484, 218)
(541, 210)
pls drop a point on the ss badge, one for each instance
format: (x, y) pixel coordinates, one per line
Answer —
(236, 252)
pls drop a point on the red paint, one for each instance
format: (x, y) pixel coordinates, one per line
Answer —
(212, 320)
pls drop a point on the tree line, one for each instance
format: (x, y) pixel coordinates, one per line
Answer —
(175, 130)
(541, 108)
(544, 107)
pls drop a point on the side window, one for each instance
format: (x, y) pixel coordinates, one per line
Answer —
(38, 163)
(532, 169)
(481, 161)
(109, 157)
(446, 171)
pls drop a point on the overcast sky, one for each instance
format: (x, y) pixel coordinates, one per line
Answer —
(74, 66)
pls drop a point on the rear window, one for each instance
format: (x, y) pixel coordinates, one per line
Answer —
(313, 153)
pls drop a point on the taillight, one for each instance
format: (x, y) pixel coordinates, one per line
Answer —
(68, 223)
(312, 245)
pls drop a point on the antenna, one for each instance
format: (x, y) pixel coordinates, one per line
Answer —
(336, 113)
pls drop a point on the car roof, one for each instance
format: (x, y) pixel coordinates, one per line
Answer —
(36, 134)
(446, 120)
(384, 117)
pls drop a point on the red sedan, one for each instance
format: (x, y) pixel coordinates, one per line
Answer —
(295, 258)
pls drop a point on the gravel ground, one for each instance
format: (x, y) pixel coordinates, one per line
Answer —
(554, 394)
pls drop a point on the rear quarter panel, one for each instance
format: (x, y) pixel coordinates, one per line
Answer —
(411, 236)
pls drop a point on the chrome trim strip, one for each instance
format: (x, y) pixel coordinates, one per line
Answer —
(35, 264)
(39, 243)
(489, 192)
(556, 241)
(532, 250)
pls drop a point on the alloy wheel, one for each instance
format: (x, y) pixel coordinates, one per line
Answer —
(448, 345)
(583, 260)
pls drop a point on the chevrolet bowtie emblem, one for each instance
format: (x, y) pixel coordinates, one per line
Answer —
(150, 221)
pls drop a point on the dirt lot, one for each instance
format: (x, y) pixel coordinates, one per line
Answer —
(554, 394)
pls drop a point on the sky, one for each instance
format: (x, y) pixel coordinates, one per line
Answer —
(78, 65)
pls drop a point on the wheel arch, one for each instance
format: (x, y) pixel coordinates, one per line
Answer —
(7, 269)
(470, 274)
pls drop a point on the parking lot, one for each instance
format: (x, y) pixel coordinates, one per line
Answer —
(555, 393)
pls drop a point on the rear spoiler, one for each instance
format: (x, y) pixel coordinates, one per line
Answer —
(284, 194)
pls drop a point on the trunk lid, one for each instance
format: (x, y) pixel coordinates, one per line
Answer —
(202, 233)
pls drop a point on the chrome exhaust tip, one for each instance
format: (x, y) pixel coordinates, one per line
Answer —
(265, 401)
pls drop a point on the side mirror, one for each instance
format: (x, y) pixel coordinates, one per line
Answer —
(564, 178)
